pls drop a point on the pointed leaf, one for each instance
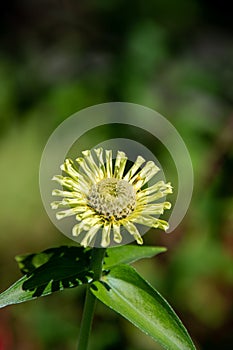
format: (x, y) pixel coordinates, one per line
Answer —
(62, 267)
(129, 253)
(47, 272)
(126, 292)
(15, 293)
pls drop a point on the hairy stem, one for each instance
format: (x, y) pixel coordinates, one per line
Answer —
(88, 312)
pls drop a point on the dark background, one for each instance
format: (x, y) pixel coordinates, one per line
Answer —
(57, 57)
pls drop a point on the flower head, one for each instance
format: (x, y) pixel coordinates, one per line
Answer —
(103, 196)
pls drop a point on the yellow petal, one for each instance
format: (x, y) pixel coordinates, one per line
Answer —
(106, 235)
(108, 155)
(99, 154)
(96, 170)
(139, 161)
(90, 235)
(144, 175)
(120, 163)
(116, 233)
(81, 161)
(132, 229)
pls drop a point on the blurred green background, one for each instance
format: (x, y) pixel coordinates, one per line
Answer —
(57, 57)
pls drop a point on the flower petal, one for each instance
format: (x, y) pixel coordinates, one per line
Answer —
(67, 194)
(150, 221)
(106, 235)
(81, 161)
(90, 160)
(68, 167)
(85, 225)
(78, 228)
(90, 235)
(67, 202)
(139, 161)
(162, 224)
(120, 163)
(132, 229)
(87, 213)
(108, 156)
(144, 175)
(153, 197)
(69, 212)
(116, 233)
(66, 182)
(159, 186)
(155, 208)
(99, 154)
(71, 184)
(145, 220)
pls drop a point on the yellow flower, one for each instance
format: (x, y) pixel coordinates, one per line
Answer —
(102, 195)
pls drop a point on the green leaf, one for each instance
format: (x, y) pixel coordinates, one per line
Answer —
(62, 267)
(47, 272)
(15, 293)
(129, 253)
(126, 292)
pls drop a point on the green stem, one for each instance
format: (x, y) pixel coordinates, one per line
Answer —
(88, 312)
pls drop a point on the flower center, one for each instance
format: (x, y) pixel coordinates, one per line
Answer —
(112, 198)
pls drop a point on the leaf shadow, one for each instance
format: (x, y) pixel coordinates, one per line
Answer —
(56, 269)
